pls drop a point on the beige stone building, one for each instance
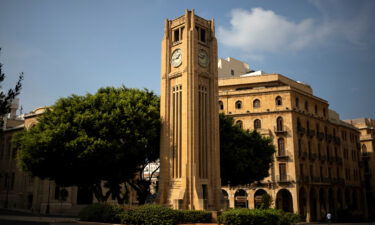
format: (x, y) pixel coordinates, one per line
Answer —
(367, 137)
(19, 191)
(316, 167)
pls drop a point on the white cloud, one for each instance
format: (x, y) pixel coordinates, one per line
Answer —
(259, 30)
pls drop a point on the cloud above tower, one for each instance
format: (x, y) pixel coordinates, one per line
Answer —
(259, 30)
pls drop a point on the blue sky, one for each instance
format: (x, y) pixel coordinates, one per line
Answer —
(74, 47)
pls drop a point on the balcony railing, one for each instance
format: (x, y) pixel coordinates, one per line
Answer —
(323, 158)
(329, 138)
(283, 156)
(304, 179)
(284, 179)
(336, 140)
(310, 133)
(302, 155)
(320, 135)
(331, 159)
(313, 156)
(280, 130)
(301, 130)
(365, 155)
(339, 160)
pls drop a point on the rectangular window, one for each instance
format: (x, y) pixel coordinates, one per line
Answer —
(176, 35)
(203, 35)
(232, 72)
(282, 171)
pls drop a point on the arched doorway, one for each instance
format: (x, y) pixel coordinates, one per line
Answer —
(225, 198)
(284, 200)
(258, 198)
(313, 205)
(240, 199)
(302, 203)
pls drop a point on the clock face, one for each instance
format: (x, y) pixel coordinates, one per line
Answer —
(176, 59)
(203, 58)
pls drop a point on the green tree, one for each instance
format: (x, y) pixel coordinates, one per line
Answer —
(245, 156)
(7, 98)
(85, 140)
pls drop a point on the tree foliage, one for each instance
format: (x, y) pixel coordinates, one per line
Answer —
(83, 140)
(7, 98)
(245, 156)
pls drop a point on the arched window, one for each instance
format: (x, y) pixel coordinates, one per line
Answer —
(278, 101)
(279, 124)
(221, 105)
(239, 123)
(364, 148)
(306, 106)
(256, 103)
(238, 104)
(297, 102)
(257, 124)
(281, 146)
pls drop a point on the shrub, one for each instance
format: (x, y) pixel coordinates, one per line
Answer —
(150, 215)
(101, 212)
(195, 216)
(257, 217)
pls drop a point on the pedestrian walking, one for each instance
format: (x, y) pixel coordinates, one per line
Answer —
(329, 218)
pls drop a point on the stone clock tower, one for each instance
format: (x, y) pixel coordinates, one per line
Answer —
(189, 153)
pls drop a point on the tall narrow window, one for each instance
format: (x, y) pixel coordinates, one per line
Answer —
(278, 101)
(202, 35)
(298, 123)
(306, 106)
(282, 171)
(316, 109)
(232, 72)
(221, 105)
(256, 103)
(297, 102)
(281, 146)
(238, 104)
(176, 35)
(257, 124)
(279, 124)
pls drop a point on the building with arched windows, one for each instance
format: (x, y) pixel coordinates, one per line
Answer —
(317, 164)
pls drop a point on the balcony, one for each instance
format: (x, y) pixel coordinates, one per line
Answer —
(283, 156)
(280, 131)
(300, 130)
(316, 180)
(310, 133)
(304, 179)
(329, 138)
(336, 140)
(284, 179)
(339, 160)
(320, 135)
(313, 156)
(302, 155)
(322, 158)
(365, 155)
(331, 159)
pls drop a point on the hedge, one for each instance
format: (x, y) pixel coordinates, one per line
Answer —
(257, 217)
(101, 212)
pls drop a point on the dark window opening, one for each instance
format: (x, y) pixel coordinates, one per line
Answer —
(257, 124)
(238, 105)
(202, 35)
(176, 35)
(232, 72)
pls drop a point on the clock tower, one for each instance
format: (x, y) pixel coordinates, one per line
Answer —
(189, 148)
